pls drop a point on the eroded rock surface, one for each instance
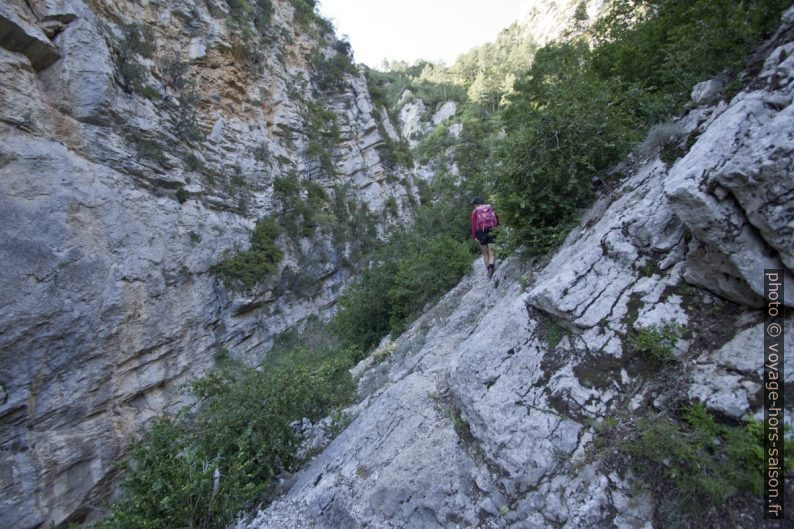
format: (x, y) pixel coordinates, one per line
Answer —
(117, 195)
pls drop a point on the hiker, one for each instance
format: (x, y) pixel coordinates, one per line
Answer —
(483, 220)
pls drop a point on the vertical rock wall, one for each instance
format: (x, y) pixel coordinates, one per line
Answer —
(125, 173)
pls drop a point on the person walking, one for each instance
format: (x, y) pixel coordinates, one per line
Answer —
(483, 220)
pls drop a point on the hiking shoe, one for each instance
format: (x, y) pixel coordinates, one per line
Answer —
(490, 270)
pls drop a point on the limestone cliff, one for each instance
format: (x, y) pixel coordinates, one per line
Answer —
(490, 410)
(139, 141)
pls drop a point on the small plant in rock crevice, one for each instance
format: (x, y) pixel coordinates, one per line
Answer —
(657, 342)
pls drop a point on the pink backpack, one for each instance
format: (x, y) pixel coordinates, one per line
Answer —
(486, 218)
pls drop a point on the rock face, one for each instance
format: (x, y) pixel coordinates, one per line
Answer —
(485, 412)
(131, 159)
(16, 34)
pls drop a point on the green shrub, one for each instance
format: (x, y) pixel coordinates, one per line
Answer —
(150, 149)
(430, 267)
(579, 109)
(420, 262)
(182, 195)
(392, 208)
(434, 145)
(330, 72)
(241, 429)
(255, 265)
(187, 127)
(194, 163)
(259, 12)
(568, 127)
(322, 130)
(305, 13)
(135, 40)
(667, 46)
(695, 463)
(261, 153)
(299, 216)
(657, 342)
(174, 73)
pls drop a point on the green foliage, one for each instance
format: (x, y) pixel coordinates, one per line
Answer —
(667, 46)
(301, 205)
(194, 163)
(304, 11)
(488, 71)
(323, 133)
(136, 40)
(261, 153)
(555, 333)
(391, 207)
(657, 342)
(150, 149)
(579, 109)
(567, 127)
(434, 145)
(243, 11)
(330, 72)
(429, 268)
(695, 463)
(353, 222)
(187, 127)
(255, 265)
(420, 261)
(240, 429)
(249, 22)
(174, 73)
(427, 81)
(182, 195)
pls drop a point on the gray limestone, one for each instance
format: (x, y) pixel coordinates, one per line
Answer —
(19, 35)
(109, 304)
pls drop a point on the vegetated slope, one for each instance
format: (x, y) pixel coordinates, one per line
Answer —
(146, 150)
(609, 385)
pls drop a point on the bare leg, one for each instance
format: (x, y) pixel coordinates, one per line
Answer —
(489, 258)
(486, 254)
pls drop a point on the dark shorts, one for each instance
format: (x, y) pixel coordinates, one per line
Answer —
(485, 236)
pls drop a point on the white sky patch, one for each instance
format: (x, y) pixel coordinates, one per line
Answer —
(437, 30)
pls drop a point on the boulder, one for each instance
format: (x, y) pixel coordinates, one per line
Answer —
(18, 35)
(707, 92)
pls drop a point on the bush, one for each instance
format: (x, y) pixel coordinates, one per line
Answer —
(182, 195)
(429, 268)
(135, 40)
(578, 110)
(240, 430)
(262, 153)
(187, 127)
(194, 163)
(434, 145)
(322, 130)
(330, 72)
(419, 263)
(695, 463)
(667, 46)
(150, 149)
(297, 215)
(254, 266)
(657, 342)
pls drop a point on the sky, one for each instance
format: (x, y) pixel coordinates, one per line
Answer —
(436, 30)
